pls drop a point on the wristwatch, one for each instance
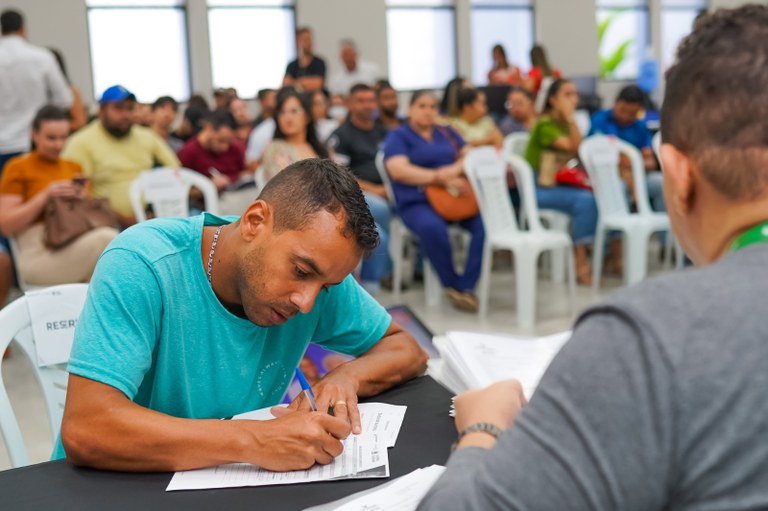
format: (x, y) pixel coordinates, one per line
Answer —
(482, 427)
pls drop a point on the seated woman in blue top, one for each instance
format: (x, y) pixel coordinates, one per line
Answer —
(420, 153)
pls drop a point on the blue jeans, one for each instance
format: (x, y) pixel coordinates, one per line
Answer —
(655, 183)
(376, 265)
(380, 210)
(577, 203)
(432, 231)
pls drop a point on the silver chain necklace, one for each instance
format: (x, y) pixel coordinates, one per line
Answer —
(213, 248)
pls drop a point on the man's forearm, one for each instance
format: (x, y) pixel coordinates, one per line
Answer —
(396, 358)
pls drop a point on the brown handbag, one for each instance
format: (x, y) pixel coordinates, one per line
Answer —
(449, 202)
(68, 218)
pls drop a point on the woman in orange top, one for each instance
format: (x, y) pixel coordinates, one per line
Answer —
(28, 182)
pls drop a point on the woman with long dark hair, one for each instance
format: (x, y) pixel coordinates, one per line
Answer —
(295, 137)
(502, 72)
(540, 69)
(556, 137)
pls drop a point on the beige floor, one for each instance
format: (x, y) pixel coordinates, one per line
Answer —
(553, 315)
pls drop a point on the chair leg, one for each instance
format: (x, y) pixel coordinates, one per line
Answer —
(557, 260)
(484, 289)
(396, 254)
(597, 256)
(571, 269)
(525, 280)
(635, 256)
(432, 287)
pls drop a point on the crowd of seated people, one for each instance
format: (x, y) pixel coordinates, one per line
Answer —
(228, 144)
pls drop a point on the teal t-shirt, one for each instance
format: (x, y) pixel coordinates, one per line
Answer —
(153, 329)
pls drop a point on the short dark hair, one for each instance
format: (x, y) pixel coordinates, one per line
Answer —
(382, 85)
(306, 187)
(711, 108)
(49, 113)
(165, 100)
(360, 87)
(522, 90)
(467, 96)
(11, 22)
(631, 94)
(263, 93)
(220, 118)
(419, 93)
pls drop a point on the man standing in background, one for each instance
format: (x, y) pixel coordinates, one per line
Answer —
(30, 78)
(308, 70)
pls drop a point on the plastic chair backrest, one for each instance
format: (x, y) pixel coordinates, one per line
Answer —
(656, 143)
(487, 171)
(638, 176)
(541, 97)
(15, 324)
(167, 190)
(526, 187)
(600, 156)
(385, 177)
(516, 143)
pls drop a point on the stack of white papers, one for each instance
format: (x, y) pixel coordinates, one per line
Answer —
(402, 494)
(472, 360)
(364, 456)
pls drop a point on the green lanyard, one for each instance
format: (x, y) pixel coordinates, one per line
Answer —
(757, 234)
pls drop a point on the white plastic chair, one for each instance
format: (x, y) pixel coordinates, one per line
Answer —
(516, 144)
(167, 190)
(487, 173)
(15, 324)
(600, 156)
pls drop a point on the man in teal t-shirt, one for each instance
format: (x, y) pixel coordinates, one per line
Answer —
(189, 320)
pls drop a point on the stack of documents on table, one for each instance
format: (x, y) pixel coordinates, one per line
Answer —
(402, 494)
(364, 456)
(473, 360)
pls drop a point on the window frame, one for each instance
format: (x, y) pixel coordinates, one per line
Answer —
(181, 5)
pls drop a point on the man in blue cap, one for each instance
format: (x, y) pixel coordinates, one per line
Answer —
(113, 151)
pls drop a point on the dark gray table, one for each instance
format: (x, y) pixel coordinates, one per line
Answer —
(424, 439)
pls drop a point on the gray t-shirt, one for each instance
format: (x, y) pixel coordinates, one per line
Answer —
(659, 401)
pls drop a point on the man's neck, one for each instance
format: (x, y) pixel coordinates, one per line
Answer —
(388, 120)
(351, 69)
(223, 271)
(163, 131)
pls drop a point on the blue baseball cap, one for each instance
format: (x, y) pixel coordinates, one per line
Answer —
(116, 93)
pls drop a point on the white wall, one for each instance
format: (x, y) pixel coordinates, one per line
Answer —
(567, 28)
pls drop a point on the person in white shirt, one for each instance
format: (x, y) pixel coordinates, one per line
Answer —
(30, 78)
(353, 71)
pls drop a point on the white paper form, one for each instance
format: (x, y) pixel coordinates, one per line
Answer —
(402, 494)
(364, 456)
(359, 459)
(473, 360)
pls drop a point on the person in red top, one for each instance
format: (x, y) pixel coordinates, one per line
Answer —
(503, 73)
(540, 70)
(212, 152)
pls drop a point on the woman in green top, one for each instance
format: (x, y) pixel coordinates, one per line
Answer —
(556, 131)
(473, 122)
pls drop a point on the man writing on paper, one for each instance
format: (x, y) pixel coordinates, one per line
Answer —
(658, 400)
(191, 320)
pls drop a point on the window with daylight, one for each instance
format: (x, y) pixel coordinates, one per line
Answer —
(141, 45)
(677, 17)
(623, 37)
(505, 22)
(421, 39)
(252, 42)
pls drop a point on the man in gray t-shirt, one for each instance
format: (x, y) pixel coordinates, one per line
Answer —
(659, 399)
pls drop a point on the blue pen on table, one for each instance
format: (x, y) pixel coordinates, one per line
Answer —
(306, 389)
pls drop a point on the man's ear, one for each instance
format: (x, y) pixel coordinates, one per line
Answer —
(680, 177)
(256, 221)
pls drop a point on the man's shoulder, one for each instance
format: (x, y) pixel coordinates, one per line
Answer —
(88, 132)
(157, 239)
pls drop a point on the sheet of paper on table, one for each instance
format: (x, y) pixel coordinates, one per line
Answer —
(474, 360)
(402, 494)
(364, 456)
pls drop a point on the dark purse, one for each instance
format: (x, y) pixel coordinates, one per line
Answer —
(68, 218)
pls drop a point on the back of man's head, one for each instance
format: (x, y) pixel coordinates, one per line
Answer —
(714, 108)
(11, 22)
(309, 186)
(163, 101)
